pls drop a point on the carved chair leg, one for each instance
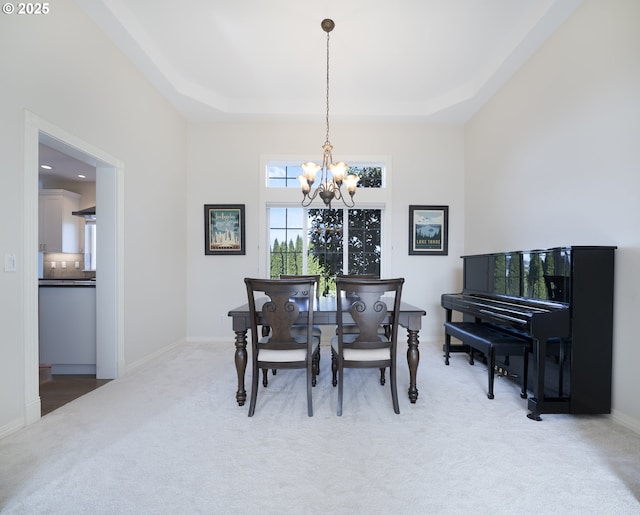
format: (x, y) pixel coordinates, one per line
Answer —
(254, 391)
(334, 368)
(394, 389)
(382, 379)
(265, 382)
(315, 367)
(340, 390)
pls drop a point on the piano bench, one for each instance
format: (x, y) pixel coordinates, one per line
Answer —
(491, 342)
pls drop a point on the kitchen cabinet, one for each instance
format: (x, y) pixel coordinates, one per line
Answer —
(67, 327)
(59, 230)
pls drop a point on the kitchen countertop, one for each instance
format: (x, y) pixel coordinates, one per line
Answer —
(91, 283)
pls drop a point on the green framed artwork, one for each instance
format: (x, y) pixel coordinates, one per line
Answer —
(224, 229)
(428, 230)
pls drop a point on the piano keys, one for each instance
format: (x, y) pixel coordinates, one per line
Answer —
(561, 299)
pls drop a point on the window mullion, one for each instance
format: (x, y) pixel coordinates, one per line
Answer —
(305, 241)
(345, 241)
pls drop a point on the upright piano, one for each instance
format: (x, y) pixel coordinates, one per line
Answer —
(562, 300)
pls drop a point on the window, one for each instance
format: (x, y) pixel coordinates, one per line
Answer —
(286, 237)
(317, 240)
(283, 176)
(90, 245)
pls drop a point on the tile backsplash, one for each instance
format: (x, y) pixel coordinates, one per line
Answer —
(58, 265)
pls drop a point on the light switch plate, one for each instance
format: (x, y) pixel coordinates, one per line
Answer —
(10, 263)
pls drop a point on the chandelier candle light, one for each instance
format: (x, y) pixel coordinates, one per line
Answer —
(329, 188)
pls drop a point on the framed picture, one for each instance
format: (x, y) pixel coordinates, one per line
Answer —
(428, 230)
(224, 229)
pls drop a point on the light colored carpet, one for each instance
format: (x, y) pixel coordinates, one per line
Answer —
(170, 438)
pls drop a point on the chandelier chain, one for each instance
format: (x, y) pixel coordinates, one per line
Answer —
(327, 114)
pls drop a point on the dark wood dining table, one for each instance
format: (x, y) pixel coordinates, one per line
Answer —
(325, 313)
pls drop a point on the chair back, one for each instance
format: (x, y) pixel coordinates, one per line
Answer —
(372, 304)
(355, 276)
(314, 278)
(277, 303)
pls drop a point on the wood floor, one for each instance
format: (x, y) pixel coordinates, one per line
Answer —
(58, 390)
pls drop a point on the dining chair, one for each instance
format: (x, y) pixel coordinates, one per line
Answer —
(353, 328)
(370, 304)
(277, 303)
(301, 329)
(316, 279)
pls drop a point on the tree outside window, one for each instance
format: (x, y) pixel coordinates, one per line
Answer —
(322, 235)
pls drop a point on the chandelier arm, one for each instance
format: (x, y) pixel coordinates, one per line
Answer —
(312, 195)
(340, 195)
(353, 202)
(308, 198)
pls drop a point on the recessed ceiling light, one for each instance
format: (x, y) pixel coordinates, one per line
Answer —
(82, 176)
(46, 167)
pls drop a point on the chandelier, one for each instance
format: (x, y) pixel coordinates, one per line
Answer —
(329, 188)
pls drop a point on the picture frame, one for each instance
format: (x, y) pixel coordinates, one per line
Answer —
(429, 230)
(224, 229)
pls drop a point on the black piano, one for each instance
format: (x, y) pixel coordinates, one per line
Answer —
(562, 300)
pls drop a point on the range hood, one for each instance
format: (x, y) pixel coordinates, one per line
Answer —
(88, 213)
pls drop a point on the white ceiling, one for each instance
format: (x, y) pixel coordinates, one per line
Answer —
(424, 60)
(64, 166)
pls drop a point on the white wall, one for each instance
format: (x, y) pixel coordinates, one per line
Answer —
(553, 159)
(224, 167)
(63, 69)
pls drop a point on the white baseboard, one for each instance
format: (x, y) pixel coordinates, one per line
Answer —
(33, 411)
(626, 421)
(11, 427)
(73, 369)
(230, 340)
(150, 357)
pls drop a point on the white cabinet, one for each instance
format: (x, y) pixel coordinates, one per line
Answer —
(59, 230)
(67, 322)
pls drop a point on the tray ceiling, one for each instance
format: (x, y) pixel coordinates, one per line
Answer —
(426, 60)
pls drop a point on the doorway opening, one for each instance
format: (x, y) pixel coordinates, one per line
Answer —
(109, 290)
(67, 276)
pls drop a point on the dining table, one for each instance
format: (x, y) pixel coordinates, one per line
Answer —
(325, 313)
